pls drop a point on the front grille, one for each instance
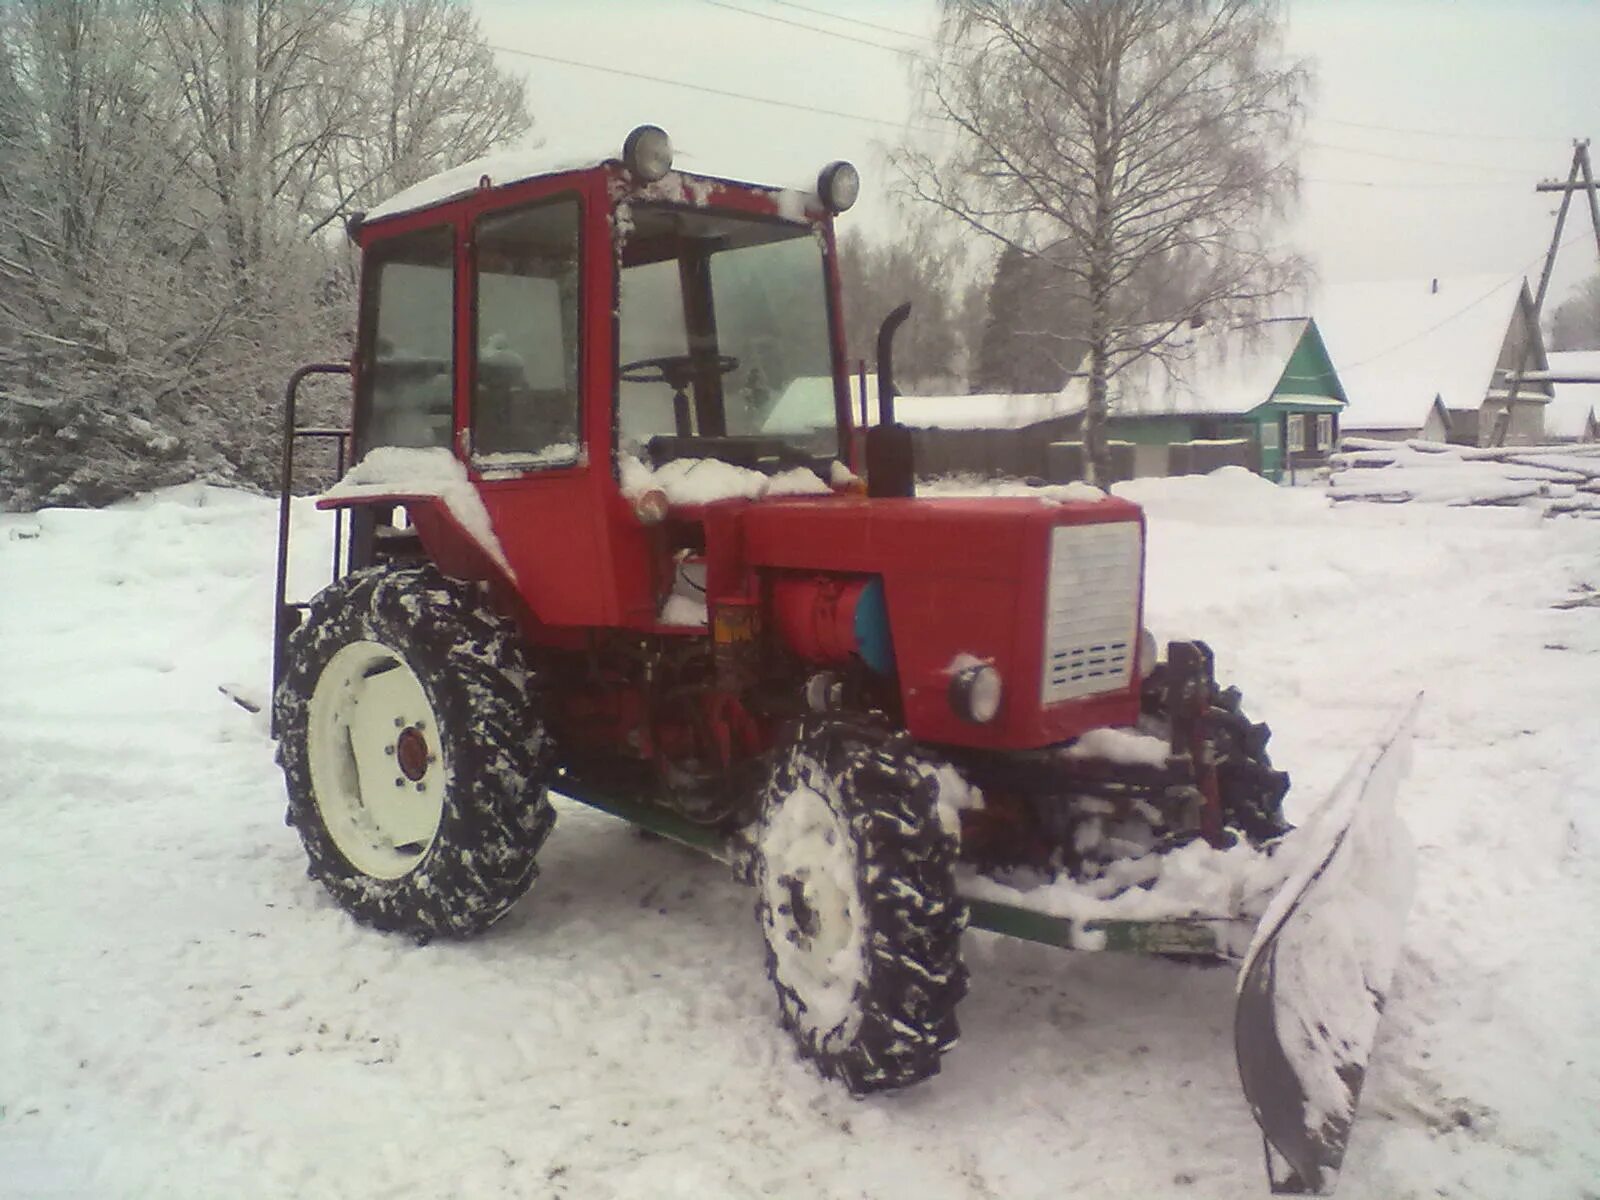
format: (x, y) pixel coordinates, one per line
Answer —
(1091, 608)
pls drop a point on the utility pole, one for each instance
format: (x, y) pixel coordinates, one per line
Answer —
(1580, 178)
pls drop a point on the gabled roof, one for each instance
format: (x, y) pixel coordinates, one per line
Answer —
(1401, 343)
(1209, 371)
(1575, 404)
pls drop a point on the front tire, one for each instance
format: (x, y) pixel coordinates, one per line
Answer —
(855, 883)
(413, 755)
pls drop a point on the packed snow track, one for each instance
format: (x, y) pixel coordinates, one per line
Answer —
(184, 1014)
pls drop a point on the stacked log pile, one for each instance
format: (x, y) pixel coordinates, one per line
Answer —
(1562, 480)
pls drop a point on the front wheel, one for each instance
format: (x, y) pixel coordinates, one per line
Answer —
(413, 755)
(856, 896)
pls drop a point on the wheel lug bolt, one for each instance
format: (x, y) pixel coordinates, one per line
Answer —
(399, 783)
(399, 722)
(420, 788)
(389, 750)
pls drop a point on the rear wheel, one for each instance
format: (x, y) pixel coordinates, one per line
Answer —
(856, 897)
(412, 751)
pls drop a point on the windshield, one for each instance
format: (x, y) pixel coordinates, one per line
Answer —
(724, 349)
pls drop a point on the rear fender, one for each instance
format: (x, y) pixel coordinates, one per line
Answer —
(456, 549)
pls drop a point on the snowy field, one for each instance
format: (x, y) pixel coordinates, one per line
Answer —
(184, 1014)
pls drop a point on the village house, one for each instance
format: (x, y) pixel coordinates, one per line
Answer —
(1431, 358)
(1268, 390)
(1264, 396)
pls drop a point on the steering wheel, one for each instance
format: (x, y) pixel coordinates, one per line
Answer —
(677, 371)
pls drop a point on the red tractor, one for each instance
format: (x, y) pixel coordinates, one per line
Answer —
(612, 532)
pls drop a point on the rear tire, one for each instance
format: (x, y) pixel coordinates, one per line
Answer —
(413, 754)
(857, 900)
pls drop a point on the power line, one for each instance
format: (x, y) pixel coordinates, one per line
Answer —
(905, 33)
(1441, 133)
(711, 91)
(844, 37)
(1424, 185)
(1520, 275)
(1431, 162)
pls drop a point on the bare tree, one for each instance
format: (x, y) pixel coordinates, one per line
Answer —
(923, 265)
(434, 98)
(1576, 323)
(1120, 140)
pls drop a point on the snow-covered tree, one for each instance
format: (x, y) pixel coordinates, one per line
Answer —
(1114, 140)
(175, 176)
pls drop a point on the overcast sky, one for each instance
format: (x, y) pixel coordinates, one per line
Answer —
(1430, 122)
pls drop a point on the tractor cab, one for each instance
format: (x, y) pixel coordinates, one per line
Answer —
(565, 334)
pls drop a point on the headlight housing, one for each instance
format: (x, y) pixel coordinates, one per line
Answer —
(838, 185)
(975, 693)
(647, 153)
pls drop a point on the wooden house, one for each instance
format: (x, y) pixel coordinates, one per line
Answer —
(1270, 389)
(1430, 358)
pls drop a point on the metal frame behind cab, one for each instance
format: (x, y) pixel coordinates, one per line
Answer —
(286, 616)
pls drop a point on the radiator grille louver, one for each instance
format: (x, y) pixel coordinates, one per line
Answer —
(1091, 607)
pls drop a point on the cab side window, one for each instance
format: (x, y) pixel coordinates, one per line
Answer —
(525, 379)
(408, 368)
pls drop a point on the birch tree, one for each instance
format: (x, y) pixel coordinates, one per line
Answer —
(1120, 140)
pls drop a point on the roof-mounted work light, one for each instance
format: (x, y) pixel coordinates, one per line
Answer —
(647, 153)
(838, 184)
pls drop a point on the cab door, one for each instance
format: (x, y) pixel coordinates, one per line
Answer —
(524, 393)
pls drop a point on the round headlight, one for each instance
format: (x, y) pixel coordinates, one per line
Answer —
(651, 507)
(839, 184)
(975, 693)
(647, 153)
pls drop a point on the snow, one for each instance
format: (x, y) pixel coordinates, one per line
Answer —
(186, 1015)
(971, 485)
(421, 472)
(1212, 370)
(1195, 880)
(1397, 344)
(510, 166)
(501, 167)
(807, 402)
(1544, 479)
(1572, 413)
(1121, 746)
(706, 480)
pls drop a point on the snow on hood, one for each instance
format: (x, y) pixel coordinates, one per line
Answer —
(428, 471)
(706, 480)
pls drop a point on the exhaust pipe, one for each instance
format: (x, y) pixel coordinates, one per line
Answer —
(891, 466)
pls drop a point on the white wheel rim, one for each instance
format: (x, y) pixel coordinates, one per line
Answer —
(814, 911)
(377, 769)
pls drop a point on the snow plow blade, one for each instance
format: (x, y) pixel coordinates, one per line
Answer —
(1312, 988)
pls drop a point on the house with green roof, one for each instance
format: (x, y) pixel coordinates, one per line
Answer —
(1269, 390)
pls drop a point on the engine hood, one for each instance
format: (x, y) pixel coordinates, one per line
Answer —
(974, 577)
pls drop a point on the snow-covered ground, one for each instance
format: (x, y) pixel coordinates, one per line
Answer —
(184, 1014)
